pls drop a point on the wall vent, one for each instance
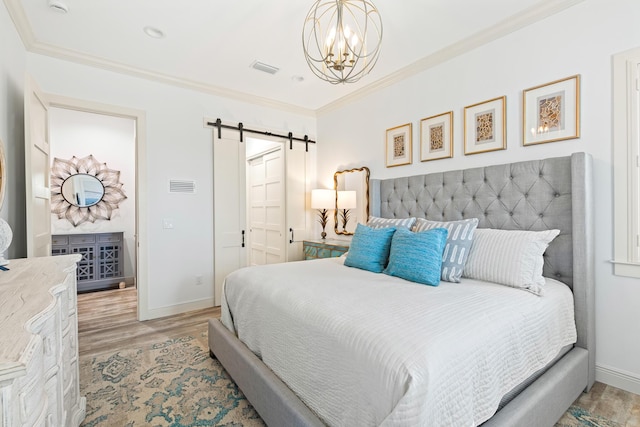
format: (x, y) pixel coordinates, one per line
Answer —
(182, 186)
(261, 66)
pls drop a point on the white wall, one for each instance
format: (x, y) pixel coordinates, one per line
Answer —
(110, 140)
(12, 67)
(580, 40)
(178, 146)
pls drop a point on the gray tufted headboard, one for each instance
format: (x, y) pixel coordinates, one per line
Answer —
(553, 193)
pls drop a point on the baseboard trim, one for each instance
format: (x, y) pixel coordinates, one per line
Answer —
(170, 310)
(618, 378)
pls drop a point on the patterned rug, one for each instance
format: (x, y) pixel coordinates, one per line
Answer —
(175, 383)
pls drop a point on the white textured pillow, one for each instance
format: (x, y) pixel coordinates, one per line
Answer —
(377, 222)
(509, 257)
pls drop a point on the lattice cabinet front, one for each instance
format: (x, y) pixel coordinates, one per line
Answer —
(101, 266)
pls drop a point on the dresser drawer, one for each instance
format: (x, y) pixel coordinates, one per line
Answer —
(108, 238)
(59, 240)
(82, 239)
(30, 395)
(324, 249)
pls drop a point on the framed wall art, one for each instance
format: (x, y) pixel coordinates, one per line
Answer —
(551, 112)
(436, 137)
(398, 145)
(485, 126)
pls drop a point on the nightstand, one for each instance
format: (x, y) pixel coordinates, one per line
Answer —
(314, 249)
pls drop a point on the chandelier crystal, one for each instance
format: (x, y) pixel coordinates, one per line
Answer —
(341, 39)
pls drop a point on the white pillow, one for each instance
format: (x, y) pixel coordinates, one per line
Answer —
(377, 222)
(509, 257)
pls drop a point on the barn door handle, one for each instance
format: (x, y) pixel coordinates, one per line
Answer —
(292, 238)
(243, 238)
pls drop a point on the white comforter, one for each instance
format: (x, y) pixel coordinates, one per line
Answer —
(366, 349)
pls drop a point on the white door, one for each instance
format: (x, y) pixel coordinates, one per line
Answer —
(267, 208)
(229, 181)
(37, 171)
(297, 186)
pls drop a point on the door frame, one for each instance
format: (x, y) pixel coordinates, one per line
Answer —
(141, 209)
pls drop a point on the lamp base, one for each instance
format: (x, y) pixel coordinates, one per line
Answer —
(324, 235)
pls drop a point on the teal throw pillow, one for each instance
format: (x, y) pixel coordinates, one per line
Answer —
(369, 248)
(417, 256)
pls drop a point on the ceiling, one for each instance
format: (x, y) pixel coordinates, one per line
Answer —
(209, 45)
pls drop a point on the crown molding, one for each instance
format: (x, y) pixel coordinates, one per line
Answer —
(515, 22)
(32, 45)
(509, 25)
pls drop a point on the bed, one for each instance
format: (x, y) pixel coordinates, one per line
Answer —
(533, 195)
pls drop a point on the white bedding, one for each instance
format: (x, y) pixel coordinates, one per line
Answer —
(368, 349)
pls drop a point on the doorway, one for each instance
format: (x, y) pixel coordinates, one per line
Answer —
(260, 199)
(97, 149)
(265, 202)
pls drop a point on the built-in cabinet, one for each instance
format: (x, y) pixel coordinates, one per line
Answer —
(101, 266)
(39, 366)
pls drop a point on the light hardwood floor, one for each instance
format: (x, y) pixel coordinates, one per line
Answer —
(107, 320)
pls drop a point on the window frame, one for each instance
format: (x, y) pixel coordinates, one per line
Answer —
(626, 162)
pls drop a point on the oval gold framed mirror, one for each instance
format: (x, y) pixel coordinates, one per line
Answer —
(352, 199)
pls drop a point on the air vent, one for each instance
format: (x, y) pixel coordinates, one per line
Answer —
(261, 66)
(182, 186)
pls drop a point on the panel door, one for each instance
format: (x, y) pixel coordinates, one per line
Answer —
(229, 179)
(37, 171)
(298, 175)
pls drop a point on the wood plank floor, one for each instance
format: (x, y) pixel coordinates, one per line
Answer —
(107, 320)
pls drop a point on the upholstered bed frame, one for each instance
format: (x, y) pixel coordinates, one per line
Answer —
(531, 195)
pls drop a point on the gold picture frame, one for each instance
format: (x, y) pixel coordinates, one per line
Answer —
(551, 112)
(485, 126)
(398, 145)
(436, 137)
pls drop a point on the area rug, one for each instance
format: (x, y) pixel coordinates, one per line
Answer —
(175, 383)
(172, 383)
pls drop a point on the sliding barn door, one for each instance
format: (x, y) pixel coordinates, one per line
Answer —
(37, 171)
(229, 179)
(297, 188)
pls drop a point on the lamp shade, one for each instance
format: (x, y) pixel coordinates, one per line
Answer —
(347, 200)
(323, 199)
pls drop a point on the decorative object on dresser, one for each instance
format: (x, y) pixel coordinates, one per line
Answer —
(315, 249)
(398, 145)
(101, 266)
(323, 200)
(6, 235)
(84, 190)
(551, 112)
(485, 126)
(346, 181)
(39, 377)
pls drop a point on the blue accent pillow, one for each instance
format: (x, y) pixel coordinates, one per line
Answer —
(369, 248)
(417, 256)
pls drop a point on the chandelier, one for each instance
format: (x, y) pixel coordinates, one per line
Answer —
(341, 39)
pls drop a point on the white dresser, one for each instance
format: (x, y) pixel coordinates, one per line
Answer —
(39, 375)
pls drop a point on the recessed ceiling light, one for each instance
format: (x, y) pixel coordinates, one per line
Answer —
(58, 6)
(297, 79)
(153, 32)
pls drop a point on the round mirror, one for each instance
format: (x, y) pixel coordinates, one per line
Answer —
(82, 190)
(3, 174)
